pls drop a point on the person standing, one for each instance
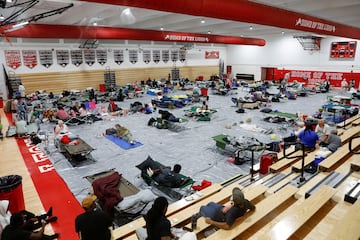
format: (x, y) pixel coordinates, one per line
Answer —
(93, 224)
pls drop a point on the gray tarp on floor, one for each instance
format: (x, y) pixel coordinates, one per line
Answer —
(193, 148)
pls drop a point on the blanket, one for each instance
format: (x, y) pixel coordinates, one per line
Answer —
(122, 143)
(107, 191)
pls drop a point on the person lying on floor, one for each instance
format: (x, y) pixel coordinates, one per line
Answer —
(222, 216)
(166, 115)
(167, 177)
(124, 133)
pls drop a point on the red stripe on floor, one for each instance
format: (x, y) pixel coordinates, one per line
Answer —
(51, 189)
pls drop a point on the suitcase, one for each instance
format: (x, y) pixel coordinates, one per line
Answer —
(266, 160)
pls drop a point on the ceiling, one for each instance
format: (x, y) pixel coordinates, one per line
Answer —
(89, 13)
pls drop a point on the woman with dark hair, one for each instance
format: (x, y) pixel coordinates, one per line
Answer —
(157, 225)
(309, 138)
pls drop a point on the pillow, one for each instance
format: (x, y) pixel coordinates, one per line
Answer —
(144, 196)
(266, 110)
(148, 163)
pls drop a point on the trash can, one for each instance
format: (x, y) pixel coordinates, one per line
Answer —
(102, 88)
(11, 189)
(204, 92)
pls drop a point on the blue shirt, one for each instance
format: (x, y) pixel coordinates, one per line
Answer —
(308, 138)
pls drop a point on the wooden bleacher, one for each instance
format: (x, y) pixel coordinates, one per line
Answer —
(285, 162)
(348, 122)
(340, 155)
(182, 210)
(263, 208)
(348, 226)
(250, 194)
(129, 229)
(295, 216)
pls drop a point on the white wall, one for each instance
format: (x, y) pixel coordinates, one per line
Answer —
(286, 52)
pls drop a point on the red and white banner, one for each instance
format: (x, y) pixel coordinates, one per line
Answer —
(313, 77)
(13, 59)
(29, 58)
(212, 54)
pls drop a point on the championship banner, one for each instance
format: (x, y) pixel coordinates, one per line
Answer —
(146, 56)
(156, 56)
(118, 56)
(46, 58)
(212, 54)
(174, 55)
(89, 56)
(62, 57)
(29, 58)
(165, 55)
(13, 58)
(133, 56)
(101, 56)
(182, 55)
(76, 57)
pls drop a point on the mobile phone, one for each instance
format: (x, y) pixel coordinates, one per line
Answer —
(187, 229)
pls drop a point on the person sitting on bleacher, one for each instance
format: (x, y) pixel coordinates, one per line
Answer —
(309, 138)
(222, 216)
(322, 129)
(331, 141)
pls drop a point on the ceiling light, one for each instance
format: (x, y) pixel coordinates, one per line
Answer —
(2, 17)
(95, 24)
(282, 32)
(161, 29)
(202, 20)
(127, 16)
(251, 27)
(209, 32)
(18, 25)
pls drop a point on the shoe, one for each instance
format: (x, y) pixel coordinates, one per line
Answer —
(52, 219)
(49, 212)
(194, 219)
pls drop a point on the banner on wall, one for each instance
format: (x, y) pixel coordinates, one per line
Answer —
(118, 56)
(165, 55)
(146, 56)
(212, 54)
(156, 56)
(76, 57)
(314, 77)
(62, 57)
(133, 56)
(101, 56)
(46, 58)
(182, 55)
(89, 56)
(174, 55)
(13, 59)
(29, 58)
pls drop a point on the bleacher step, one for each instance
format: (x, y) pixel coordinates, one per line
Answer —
(250, 180)
(275, 179)
(331, 180)
(354, 193)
